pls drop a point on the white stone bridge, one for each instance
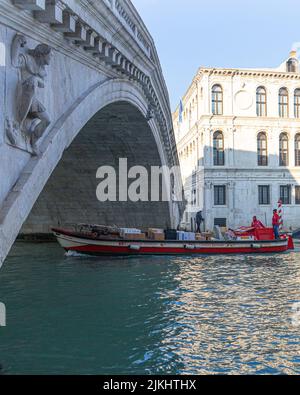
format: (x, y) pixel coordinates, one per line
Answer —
(91, 94)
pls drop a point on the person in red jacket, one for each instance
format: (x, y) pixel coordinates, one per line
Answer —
(257, 224)
(275, 223)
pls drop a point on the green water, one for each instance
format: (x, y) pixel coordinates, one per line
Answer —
(148, 315)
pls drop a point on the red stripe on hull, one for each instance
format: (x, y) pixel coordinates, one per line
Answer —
(119, 250)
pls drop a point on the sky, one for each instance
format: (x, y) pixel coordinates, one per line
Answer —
(218, 33)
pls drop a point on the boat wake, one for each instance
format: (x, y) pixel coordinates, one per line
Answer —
(74, 254)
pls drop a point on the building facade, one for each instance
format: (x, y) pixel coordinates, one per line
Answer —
(238, 138)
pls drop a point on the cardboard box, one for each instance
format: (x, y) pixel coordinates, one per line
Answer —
(130, 230)
(157, 236)
(134, 236)
(155, 230)
(207, 235)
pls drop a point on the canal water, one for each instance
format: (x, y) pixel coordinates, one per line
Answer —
(220, 315)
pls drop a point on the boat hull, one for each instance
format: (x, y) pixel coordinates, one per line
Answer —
(117, 247)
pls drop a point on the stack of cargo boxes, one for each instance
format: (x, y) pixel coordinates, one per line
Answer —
(162, 235)
(186, 236)
(156, 234)
(132, 234)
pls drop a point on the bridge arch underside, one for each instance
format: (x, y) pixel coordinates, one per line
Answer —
(119, 130)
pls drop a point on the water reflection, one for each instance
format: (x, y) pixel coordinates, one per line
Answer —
(234, 315)
(150, 315)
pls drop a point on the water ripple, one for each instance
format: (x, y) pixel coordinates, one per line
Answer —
(204, 315)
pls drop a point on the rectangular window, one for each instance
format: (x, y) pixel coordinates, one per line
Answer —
(283, 110)
(217, 100)
(219, 159)
(262, 160)
(285, 194)
(297, 150)
(261, 109)
(194, 197)
(261, 102)
(218, 145)
(283, 150)
(262, 150)
(297, 103)
(283, 103)
(264, 194)
(220, 195)
(297, 195)
(222, 222)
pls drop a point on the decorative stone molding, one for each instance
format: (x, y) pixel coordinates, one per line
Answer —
(53, 12)
(250, 73)
(68, 24)
(32, 5)
(124, 14)
(80, 33)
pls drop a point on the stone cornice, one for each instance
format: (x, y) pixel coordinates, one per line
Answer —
(248, 72)
(224, 72)
(252, 170)
(254, 120)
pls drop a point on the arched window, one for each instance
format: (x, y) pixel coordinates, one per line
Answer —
(283, 150)
(297, 103)
(261, 102)
(283, 103)
(292, 65)
(217, 100)
(262, 149)
(297, 149)
(219, 158)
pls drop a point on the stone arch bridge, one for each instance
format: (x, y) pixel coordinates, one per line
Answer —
(80, 86)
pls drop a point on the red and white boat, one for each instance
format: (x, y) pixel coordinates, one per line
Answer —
(90, 243)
